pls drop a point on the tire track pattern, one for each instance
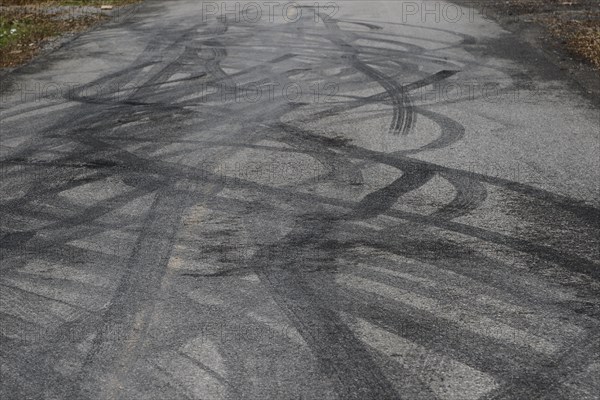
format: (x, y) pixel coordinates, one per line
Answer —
(174, 242)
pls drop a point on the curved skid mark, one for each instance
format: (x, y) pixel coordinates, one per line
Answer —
(372, 27)
(470, 195)
(402, 119)
(384, 96)
(380, 201)
(304, 286)
(451, 132)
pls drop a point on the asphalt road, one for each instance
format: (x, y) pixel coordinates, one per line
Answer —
(349, 200)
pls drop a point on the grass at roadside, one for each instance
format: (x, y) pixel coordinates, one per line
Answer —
(25, 25)
(23, 34)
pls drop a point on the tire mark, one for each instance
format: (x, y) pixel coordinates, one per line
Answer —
(402, 120)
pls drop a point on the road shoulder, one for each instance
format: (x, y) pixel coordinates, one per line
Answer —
(531, 42)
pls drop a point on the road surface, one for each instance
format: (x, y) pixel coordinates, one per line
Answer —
(344, 200)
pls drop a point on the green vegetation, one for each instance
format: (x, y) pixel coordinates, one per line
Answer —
(94, 3)
(26, 24)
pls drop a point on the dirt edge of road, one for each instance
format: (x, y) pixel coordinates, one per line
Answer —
(32, 28)
(528, 26)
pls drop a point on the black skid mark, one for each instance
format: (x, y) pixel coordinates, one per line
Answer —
(137, 289)
(562, 257)
(300, 278)
(16, 240)
(380, 201)
(450, 132)
(470, 195)
(372, 27)
(340, 170)
(384, 97)
(342, 356)
(402, 119)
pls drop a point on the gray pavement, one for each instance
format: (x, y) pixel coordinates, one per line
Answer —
(345, 200)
